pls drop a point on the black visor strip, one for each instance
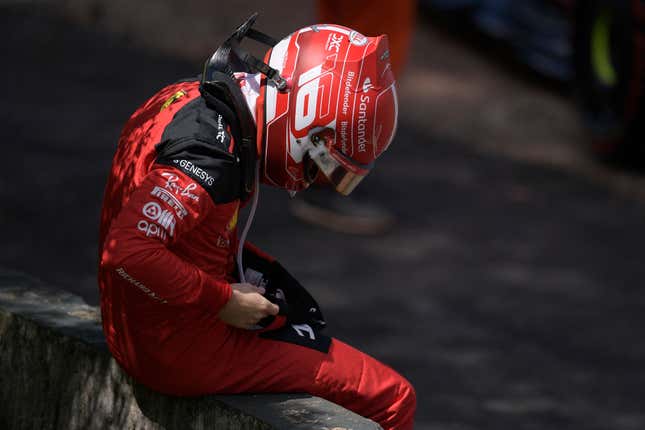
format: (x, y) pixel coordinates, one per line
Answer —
(260, 66)
(258, 36)
(254, 63)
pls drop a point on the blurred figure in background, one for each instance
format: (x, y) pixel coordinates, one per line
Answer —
(322, 206)
(375, 17)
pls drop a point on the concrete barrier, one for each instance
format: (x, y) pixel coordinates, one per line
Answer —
(56, 373)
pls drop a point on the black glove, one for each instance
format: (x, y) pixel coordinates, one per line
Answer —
(284, 290)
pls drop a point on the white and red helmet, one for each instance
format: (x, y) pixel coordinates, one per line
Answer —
(337, 114)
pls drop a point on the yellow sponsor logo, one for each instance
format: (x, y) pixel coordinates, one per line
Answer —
(233, 222)
(173, 98)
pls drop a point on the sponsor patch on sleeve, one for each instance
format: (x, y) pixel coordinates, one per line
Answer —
(167, 197)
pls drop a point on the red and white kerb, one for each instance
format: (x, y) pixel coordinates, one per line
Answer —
(338, 81)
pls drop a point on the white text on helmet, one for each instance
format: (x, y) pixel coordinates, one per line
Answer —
(307, 97)
(362, 120)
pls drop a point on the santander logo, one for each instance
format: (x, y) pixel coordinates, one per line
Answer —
(367, 84)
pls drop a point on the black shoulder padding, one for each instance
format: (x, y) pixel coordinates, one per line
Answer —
(197, 143)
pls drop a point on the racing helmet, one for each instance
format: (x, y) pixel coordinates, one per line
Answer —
(330, 108)
(327, 104)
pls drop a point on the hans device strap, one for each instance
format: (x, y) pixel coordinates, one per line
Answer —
(224, 95)
(220, 89)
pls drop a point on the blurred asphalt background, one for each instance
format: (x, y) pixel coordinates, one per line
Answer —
(510, 293)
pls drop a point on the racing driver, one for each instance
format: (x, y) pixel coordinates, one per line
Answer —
(188, 307)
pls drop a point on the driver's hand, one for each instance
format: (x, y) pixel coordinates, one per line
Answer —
(246, 306)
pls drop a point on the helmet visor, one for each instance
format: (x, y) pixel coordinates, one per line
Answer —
(343, 173)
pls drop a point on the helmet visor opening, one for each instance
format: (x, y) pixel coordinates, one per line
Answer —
(345, 181)
(343, 173)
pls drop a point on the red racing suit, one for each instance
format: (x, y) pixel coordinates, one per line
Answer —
(167, 258)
